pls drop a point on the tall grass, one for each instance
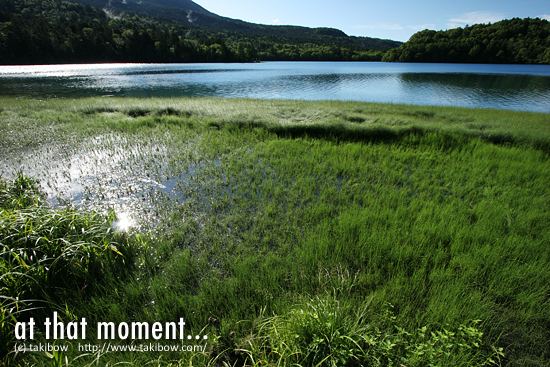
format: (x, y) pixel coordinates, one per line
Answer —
(329, 332)
(291, 227)
(51, 258)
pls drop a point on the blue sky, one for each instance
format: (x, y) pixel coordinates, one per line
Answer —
(389, 19)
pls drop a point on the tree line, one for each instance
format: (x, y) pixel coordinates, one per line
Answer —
(512, 41)
(61, 32)
(55, 31)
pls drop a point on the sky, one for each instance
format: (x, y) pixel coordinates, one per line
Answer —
(386, 19)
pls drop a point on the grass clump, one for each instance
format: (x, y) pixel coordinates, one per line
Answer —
(331, 332)
(20, 193)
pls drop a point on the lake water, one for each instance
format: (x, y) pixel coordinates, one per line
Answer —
(514, 87)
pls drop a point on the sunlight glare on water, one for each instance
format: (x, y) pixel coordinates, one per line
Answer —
(132, 176)
(123, 222)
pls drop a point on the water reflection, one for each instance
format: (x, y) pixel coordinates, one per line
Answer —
(374, 87)
(518, 87)
(518, 92)
(137, 177)
(132, 176)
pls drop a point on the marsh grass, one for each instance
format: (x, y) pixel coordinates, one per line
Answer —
(276, 215)
(330, 332)
(52, 257)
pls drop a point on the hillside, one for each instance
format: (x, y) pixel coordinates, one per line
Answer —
(188, 12)
(149, 6)
(55, 31)
(511, 41)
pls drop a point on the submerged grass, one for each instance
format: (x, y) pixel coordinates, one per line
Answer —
(289, 232)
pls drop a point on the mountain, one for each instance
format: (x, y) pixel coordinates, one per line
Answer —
(190, 13)
(149, 6)
(99, 31)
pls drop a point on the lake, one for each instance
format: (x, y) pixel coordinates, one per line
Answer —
(513, 87)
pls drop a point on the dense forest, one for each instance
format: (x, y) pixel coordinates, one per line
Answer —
(52, 31)
(190, 13)
(513, 41)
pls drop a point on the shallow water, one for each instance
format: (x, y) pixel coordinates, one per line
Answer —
(110, 172)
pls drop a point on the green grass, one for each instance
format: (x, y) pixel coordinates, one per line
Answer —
(289, 232)
(331, 332)
(51, 259)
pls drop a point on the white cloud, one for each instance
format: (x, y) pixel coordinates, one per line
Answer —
(544, 16)
(421, 27)
(276, 21)
(475, 17)
(389, 26)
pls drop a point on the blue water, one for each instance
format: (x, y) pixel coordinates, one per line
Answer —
(514, 87)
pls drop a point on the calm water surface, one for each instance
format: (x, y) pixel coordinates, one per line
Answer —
(515, 87)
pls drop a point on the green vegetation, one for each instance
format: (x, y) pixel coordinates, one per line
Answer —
(191, 14)
(52, 259)
(289, 232)
(61, 32)
(511, 41)
(54, 31)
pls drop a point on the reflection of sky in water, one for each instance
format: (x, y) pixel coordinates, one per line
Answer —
(108, 172)
(522, 87)
(518, 92)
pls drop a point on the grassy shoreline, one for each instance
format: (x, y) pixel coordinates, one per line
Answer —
(295, 233)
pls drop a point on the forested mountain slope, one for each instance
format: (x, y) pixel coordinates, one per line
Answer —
(188, 12)
(55, 31)
(511, 41)
(52, 31)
